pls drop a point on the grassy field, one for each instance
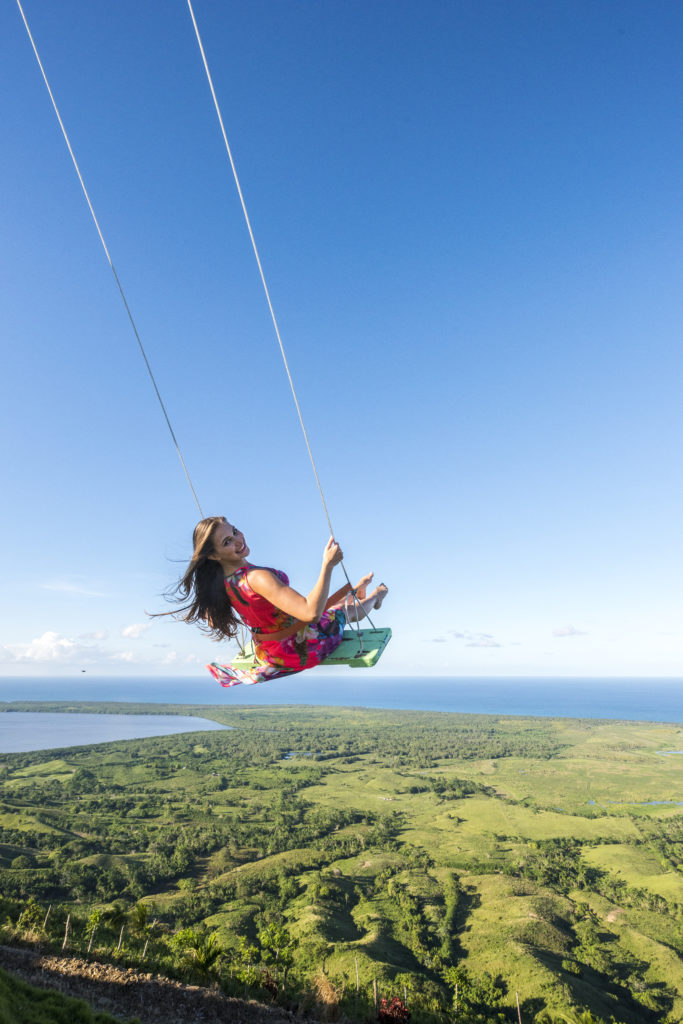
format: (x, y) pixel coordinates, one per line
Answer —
(393, 846)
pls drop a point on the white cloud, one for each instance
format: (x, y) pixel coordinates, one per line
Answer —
(135, 630)
(99, 634)
(52, 651)
(48, 647)
(568, 631)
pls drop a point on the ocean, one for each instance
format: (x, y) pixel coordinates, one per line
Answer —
(632, 699)
(646, 700)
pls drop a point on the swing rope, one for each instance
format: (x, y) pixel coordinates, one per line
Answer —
(261, 273)
(268, 300)
(109, 260)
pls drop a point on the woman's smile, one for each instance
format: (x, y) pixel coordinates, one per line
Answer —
(231, 549)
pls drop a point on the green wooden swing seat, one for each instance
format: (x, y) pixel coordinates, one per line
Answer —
(356, 651)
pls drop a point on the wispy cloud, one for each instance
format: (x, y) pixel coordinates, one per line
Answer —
(99, 634)
(569, 631)
(123, 656)
(482, 640)
(68, 587)
(473, 639)
(135, 630)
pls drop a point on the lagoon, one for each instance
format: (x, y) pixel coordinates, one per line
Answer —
(21, 731)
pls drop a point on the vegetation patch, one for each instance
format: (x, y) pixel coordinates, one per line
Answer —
(446, 863)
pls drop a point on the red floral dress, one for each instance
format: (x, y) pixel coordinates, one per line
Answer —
(305, 649)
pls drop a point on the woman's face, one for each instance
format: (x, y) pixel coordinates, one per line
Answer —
(229, 545)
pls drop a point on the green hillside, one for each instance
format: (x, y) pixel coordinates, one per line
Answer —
(317, 856)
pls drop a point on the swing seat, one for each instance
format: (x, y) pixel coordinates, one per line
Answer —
(354, 651)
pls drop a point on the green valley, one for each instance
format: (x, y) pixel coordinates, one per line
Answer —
(345, 863)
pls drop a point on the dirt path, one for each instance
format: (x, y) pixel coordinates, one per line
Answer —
(126, 993)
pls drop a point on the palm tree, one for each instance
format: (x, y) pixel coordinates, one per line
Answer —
(200, 951)
(138, 917)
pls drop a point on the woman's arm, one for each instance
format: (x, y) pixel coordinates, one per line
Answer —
(306, 609)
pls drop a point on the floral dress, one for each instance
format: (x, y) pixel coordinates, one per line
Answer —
(305, 649)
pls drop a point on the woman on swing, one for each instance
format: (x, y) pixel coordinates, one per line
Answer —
(290, 632)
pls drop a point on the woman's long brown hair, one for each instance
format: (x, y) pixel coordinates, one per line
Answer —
(203, 583)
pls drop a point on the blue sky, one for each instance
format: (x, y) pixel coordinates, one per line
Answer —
(469, 216)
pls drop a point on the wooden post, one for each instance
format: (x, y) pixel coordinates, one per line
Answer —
(519, 1012)
(374, 992)
(455, 1001)
(92, 936)
(149, 936)
(66, 931)
(120, 938)
(405, 995)
(46, 917)
(357, 978)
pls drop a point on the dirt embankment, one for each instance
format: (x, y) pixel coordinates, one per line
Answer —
(127, 993)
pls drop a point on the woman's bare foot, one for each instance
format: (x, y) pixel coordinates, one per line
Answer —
(361, 587)
(379, 593)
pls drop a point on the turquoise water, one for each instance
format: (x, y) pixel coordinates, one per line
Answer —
(40, 730)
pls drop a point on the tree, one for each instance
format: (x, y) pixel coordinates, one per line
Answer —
(139, 918)
(199, 951)
(31, 917)
(277, 948)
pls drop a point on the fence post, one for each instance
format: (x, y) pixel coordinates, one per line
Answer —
(519, 1012)
(149, 935)
(66, 931)
(374, 992)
